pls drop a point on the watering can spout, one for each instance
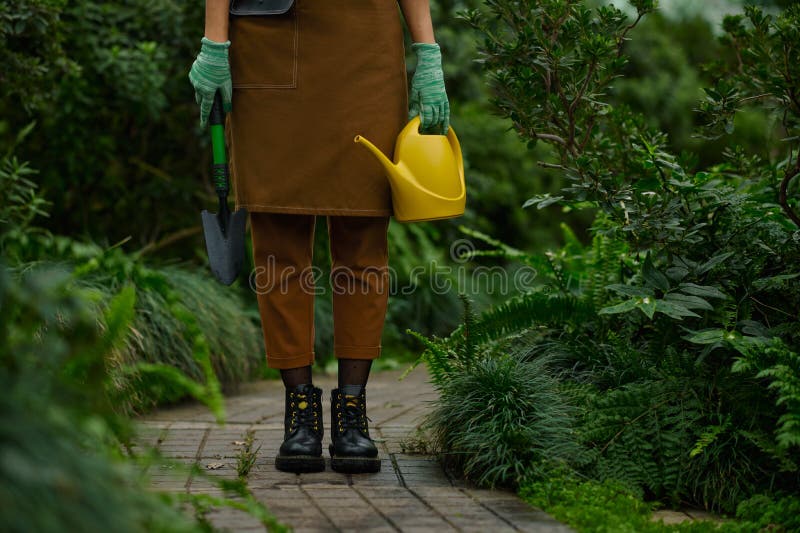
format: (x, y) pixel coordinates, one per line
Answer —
(426, 176)
(390, 167)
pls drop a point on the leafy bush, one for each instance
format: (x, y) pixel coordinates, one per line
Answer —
(780, 514)
(676, 329)
(97, 77)
(55, 408)
(66, 444)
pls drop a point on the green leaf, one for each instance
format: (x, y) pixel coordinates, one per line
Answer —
(706, 336)
(648, 306)
(714, 261)
(677, 273)
(120, 314)
(542, 200)
(708, 437)
(630, 290)
(687, 301)
(653, 276)
(673, 309)
(702, 290)
(773, 282)
(623, 307)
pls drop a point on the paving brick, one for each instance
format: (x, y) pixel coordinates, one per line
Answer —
(234, 520)
(328, 477)
(181, 425)
(220, 442)
(268, 476)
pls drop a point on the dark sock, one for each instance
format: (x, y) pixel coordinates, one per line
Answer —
(354, 371)
(292, 377)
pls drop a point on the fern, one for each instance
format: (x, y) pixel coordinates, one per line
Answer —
(437, 357)
(642, 433)
(709, 436)
(774, 361)
(525, 311)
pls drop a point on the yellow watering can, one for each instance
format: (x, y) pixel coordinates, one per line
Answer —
(427, 177)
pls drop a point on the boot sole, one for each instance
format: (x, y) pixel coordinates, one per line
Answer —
(355, 464)
(299, 463)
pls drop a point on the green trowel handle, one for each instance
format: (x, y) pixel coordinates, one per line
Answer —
(217, 125)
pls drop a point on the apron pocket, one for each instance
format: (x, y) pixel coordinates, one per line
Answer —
(263, 53)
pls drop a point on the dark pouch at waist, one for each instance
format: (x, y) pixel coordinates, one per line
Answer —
(260, 7)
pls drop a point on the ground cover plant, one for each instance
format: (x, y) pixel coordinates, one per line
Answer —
(69, 459)
(672, 334)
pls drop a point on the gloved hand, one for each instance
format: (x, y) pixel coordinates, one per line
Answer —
(209, 72)
(428, 96)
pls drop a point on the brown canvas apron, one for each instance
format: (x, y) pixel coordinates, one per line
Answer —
(304, 84)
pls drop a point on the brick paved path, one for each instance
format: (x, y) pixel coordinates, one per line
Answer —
(410, 493)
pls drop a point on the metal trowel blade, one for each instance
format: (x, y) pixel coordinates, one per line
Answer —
(225, 248)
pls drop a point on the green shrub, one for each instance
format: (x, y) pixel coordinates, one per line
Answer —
(66, 454)
(675, 331)
(98, 78)
(58, 470)
(771, 514)
(518, 422)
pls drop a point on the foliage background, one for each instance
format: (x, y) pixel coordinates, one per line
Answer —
(104, 168)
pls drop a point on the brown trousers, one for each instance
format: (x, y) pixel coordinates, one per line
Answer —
(285, 283)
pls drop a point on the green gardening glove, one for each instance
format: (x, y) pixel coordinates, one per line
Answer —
(211, 72)
(428, 96)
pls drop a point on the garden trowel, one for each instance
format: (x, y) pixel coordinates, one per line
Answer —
(224, 232)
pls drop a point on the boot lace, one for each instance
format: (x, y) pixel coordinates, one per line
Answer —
(303, 409)
(353, 413)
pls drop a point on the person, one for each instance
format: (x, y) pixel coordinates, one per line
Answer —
(298, 86)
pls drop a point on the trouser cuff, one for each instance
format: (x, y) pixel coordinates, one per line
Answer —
(290, 361)
(357, 352)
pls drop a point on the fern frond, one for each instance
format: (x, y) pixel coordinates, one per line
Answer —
(523, 312)
(436, 356)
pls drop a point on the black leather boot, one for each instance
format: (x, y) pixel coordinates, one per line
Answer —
(352, 450)
(301, 450)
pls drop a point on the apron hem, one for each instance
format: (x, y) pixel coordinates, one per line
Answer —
(324, 211)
